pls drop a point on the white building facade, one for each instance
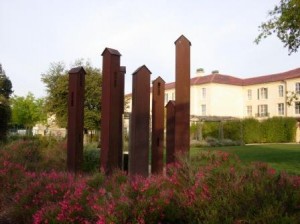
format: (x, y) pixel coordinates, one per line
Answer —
(258, 97)
(218, 95)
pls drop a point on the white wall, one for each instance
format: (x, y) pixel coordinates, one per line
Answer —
(226, 100)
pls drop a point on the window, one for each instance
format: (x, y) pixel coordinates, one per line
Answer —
(297, 107)
(203, 110)
(173, 96)
(280, 109)
(298, 87)
(280, 90)
(262, 93)
(203, 93)
(249, 94)
(249, 111)
(166, 98)
(262, 110)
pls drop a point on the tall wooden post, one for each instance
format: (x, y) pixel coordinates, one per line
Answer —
(157, 146)
(111, 111)
(182, 88)
(170, 132)
(75, 119)
(140, 115)
(120, 130)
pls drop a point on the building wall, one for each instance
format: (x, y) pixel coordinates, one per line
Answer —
(291, 84)
(231, 100)
(272, 101)
(226, 100)
(273, 98)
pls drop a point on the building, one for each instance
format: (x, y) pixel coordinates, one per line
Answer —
(260, 97)
(219, 95)
(223, 95)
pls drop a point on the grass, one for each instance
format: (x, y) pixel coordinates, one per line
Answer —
(282, 157)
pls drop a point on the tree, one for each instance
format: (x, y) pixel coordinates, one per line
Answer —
(291, 97)
(27, 111)
(5, 111)
(285, 23)
(56, 81)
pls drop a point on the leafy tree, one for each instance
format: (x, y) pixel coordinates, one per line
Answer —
(285, 23)
(56, 81)
(291, 97)
(5, 111)
(27, 111)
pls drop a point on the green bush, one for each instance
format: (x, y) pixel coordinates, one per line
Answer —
(210, 129)
(273, 130)
(278, 129)
(232, 130)
(91, 158)
(251, 131)
(5, 114)
(291, 128)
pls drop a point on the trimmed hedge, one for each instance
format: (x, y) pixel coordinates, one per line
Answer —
(250, 130)
(279, 129)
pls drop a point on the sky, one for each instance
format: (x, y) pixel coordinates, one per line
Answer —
(36, 33)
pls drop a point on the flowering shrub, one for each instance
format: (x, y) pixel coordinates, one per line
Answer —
(214, 187)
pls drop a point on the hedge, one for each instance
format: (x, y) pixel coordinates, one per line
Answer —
(250, 130)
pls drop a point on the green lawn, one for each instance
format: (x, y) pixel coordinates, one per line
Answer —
(284, 157)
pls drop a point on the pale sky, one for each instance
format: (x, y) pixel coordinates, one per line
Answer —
(34, 33)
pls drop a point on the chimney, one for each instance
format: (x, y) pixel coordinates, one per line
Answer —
(215, 72)
(200, 72)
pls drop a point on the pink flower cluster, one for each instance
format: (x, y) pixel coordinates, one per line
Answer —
(217, 188)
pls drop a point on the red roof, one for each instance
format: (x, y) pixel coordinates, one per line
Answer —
(295, 73)
(231, 80)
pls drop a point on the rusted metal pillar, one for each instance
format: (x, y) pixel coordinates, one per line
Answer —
(75, 119)
(121, 80)
(182, 88)
(170, 132)
(140, 115)
(111, 111)
(157, 146)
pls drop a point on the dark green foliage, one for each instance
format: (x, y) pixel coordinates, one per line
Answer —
(233, 130)
(285, 23)
(56, 81)
(27, 111)
(210, 129)
(91, 158)
(278, 129)
(5, 111)
(250, 130)
(5, 84)
(291, 128)
(5, 114)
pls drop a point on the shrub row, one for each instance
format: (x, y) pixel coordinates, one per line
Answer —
(250, 130)
(37, 153)
(216, 189)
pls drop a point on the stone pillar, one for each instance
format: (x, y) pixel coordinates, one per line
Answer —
(140, 115)
(75, 119)
(111, 111)
(157, 146)
(170, 132)
(182, 88)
